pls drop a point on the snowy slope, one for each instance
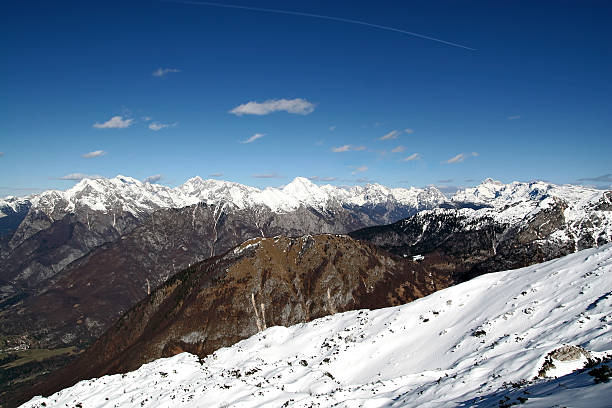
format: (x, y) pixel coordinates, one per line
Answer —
(456, 347)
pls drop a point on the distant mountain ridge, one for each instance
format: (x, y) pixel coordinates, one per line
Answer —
(96, 211)
(128, 194)
(497, 226)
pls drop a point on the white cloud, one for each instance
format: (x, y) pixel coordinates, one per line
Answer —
(79, 176)
(456, 159)
(332, 128)
(161, 72)
(253, 138)
(408, 130)
(391, 135)
(317, 178)
(515, 117)
(155, 126)
(116, 122)
(359, 148)
(1, 154)
(266, 175)
(360, 169)
(413, 156)
(461, 157)
(146, 118)
(298, 106)
(341, 149)
(95, 153)
(214, 175)
(398, 149)
(153, 179)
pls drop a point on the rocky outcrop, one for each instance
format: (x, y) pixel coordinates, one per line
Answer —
(264, 281)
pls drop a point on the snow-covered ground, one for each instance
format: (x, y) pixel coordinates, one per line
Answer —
(461, 346)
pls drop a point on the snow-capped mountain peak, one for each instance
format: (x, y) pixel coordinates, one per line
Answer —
(123, 193)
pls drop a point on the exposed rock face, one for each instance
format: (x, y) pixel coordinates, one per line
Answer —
(108, 280)
(12, 212)
(494, 239)
(289, 280)
(43, 234)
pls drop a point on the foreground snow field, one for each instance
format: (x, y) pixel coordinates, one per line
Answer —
(461, 346)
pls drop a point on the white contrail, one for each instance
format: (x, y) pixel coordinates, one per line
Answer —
(298, 13)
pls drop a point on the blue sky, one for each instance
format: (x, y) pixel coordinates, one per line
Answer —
(532, 101)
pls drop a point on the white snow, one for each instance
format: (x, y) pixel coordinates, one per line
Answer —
(124, 193)
(456, 347)
(508, 203)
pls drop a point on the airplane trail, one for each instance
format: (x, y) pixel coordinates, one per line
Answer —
(319, 16)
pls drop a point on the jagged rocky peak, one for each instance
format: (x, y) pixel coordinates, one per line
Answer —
(496, 194)
(123, 193)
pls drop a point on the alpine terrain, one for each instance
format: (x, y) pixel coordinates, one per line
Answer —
(538, 336)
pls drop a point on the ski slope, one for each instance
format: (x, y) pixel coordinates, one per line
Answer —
(461, 346)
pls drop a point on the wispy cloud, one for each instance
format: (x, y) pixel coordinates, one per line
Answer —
(155, 126)
(391, 135)
(606, 178)
(298, 106)
(95, 153)
(456, 159)
(266, 175)
(116, 122)
(445, 181)
(347, 148)
(413, 156)
(362, 180)
(1, 154)
(515, 117)
(341, 149)
(253, 138)
(317, 178)
(153, 179)
(215, 175)
(409, 131)
(332, 128)
(162, 72)
(398, 149)
(461, 157)
(360, 169)
(79, 176)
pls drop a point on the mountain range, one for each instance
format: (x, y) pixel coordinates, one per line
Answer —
(537, 336)
(79, 260)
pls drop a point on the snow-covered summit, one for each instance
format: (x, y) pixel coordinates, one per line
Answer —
(474, 344)
(128, 194)
(498, 195)
(131, 195)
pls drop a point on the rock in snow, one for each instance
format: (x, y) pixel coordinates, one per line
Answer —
(461, 346)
